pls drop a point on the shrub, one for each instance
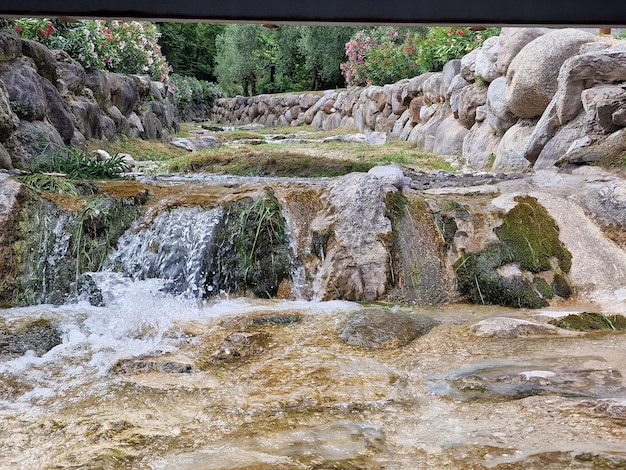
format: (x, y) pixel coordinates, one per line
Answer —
(385, 54)
(189, 90)
(118, 46)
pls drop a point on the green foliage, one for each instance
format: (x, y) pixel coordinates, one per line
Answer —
(533, 236)
(118, 46)
(237, 62)
(75, 164)
(40, 182)
(386, 54)
(189, 90)
(190, 48)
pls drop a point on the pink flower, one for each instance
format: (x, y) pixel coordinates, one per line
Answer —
(18, 29)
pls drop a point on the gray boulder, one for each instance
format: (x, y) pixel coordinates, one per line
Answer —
(98, 82)
(479, 146)
(382, 329)
(450, 71)
(468, 66)
(25, 90)
(58, 113)
(390, 174)
(510, 150)
(606, 66)
(8, 120)
(432, 88)
(44, 59)
(532, 76)
(486, 65)
(498, 115)
(512, 41)
(563, 138)
(70, 72)
(602, 102)
(449, 137)
(470, 98)
(124, 93)
(10, 45)
(5, 161)
(87, 115)
(454, 91)
(32, 140)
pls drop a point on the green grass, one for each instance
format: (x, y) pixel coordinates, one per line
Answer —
(142, 150)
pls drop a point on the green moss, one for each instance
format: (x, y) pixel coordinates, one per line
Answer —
(542, 286)
(533, 237)
(479, 279)
(251, 249)
(588, 321)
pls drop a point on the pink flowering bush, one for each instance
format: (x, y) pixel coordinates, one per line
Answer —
(117, 46)
(385, 55)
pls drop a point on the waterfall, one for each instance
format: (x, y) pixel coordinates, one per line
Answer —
(174, 246)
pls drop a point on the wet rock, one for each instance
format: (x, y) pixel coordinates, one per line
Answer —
(383, 329)
(391, 175)
(240, 345)
(609, 408)
(39, 336)
(514, 381)
(146, 365)
(503, 327)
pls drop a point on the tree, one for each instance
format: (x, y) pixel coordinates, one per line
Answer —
(237, 61)
(190, 48)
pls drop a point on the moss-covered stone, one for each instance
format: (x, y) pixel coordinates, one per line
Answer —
(542, 286)
(250, 251)
(588, 321)
(478, 278)
(533, 236)
(561, 286)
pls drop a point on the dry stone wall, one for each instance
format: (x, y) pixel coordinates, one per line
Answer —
(529, 97)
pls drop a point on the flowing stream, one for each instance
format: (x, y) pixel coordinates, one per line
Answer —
(156, 375)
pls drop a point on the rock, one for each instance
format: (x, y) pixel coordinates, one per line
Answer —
(486, 64)
(400, 123)
(468, 66)
(399, 103)
(97, 81)
(70, 72)
(590, 321)
(147, 364)
(510, 150)
(10, 45)
(39, 336)
(87, 115)
(124, 93)
(354, 224)
(424, 135)
(5, 161)
(58, 113)
(512, 41)
(606, 66)
(8, 120)
(470, 98)
(383, 329)
(563, 138)
(152, 127)
(609, 149)
(601, 102)
(503, 327)
(25, 90)
(391, 175)
(414, 87)
(450, 70)
(499, 116)
(43, 58)
(479, 146)
(376, 138)
(454, 91)
(107, 127)
(32, 139)
(449, 137)
(619, 117)
(240, 345)
(532, 76)
(432, 88)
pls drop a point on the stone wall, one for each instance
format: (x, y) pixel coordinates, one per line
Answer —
(49, 101)
(532, 96)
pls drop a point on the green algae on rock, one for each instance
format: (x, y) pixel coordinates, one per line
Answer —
(589, 321)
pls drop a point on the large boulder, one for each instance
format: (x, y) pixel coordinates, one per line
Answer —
(32, 140)
(510, 150)
(449, 137)
(498, 114)
(5, 160)
(87, 115)
(432, 88)
(97, 81)
(532, 76)
(10, 45)
(468, 66)
(479, 146)
(450, 70)
(42, 57)
(512, 41)
(70, 72)
(124, 93)
(606, 66)
(470, 98)
(486, 64)
(8, 120)
(562, 140)
(24, 86)
(58, 113)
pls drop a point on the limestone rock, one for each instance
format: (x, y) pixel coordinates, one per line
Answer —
(468, 66)
(382, 329)
(449, 137)
(10, 45)
(479, 146)
(453, 92)
(532, 76)
(87, 115)
(25, 90)
(470, 98)
(32, 139)
(432, 88)
(486, 64)
(601, 103)
(5, 159)
(58, 112)
(8, 120)
(97, 81)
(450, 70)
(504, 327)
(414, 87)
(498, 115)
(558, 145)
(124, 92)
(512, 41)
(391, 175)
(510, 150)
(70, 72)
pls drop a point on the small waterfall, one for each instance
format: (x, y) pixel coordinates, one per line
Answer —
(174, 246)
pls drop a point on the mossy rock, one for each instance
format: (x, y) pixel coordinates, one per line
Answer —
(589, 321)
(478, 278)
(561, 286)
(533, 236)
